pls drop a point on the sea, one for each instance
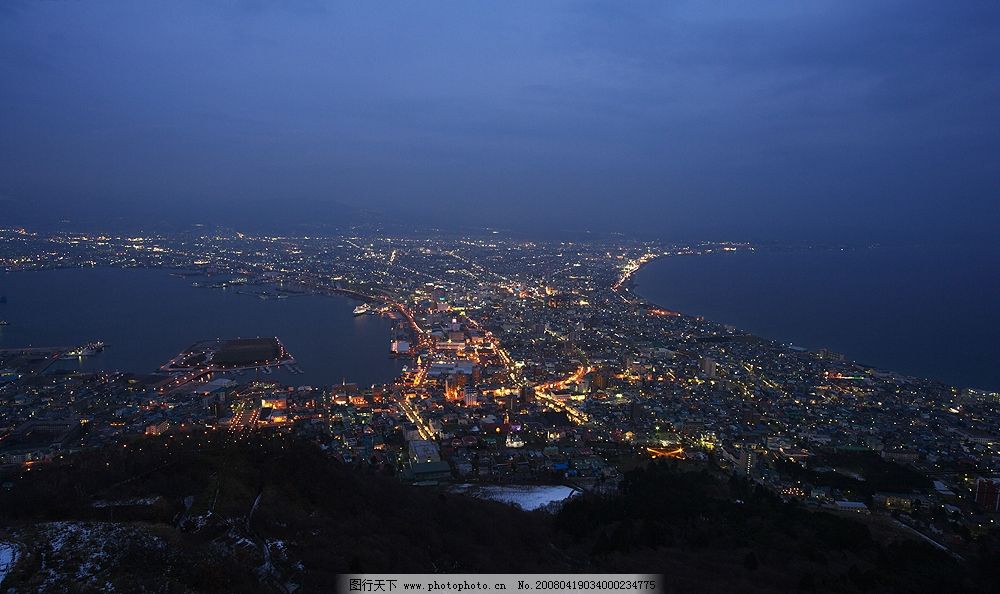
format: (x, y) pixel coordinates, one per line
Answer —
(146, 316)
(926, 311)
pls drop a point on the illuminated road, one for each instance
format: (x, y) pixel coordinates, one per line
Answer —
(414, 417)
(543, 394)
(244, 418)
(677, 452)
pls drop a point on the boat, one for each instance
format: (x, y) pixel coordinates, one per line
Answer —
(362, 309)
(93, 348)
(87, 350)
(4, 323)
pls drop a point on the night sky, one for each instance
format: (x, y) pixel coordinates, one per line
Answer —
(743, 120)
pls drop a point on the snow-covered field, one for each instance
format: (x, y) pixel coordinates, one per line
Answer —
(82, 552)
(8, 557)
(527, 497)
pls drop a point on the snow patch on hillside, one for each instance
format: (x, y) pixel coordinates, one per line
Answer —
(8, 557)
(526, 497)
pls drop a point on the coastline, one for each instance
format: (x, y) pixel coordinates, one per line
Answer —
(632, 289)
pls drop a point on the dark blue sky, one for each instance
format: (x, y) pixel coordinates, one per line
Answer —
(757, 120)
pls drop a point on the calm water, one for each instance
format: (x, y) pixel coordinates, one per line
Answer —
(148, 316)
(927, 312)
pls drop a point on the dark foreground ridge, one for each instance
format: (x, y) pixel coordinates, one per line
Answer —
(198, 513)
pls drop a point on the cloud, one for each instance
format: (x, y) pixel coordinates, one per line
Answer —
(672, 118)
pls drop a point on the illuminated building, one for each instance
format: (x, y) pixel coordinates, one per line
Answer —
(988, 494)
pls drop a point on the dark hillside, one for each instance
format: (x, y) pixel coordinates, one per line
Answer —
(202, 514)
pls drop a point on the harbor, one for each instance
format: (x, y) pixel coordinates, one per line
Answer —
(146, 317)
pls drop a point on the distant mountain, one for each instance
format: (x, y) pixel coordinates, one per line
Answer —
(263, 215)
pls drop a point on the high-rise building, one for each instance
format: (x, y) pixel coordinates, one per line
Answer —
(747, 462)
(988, 494)
(709, 368)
